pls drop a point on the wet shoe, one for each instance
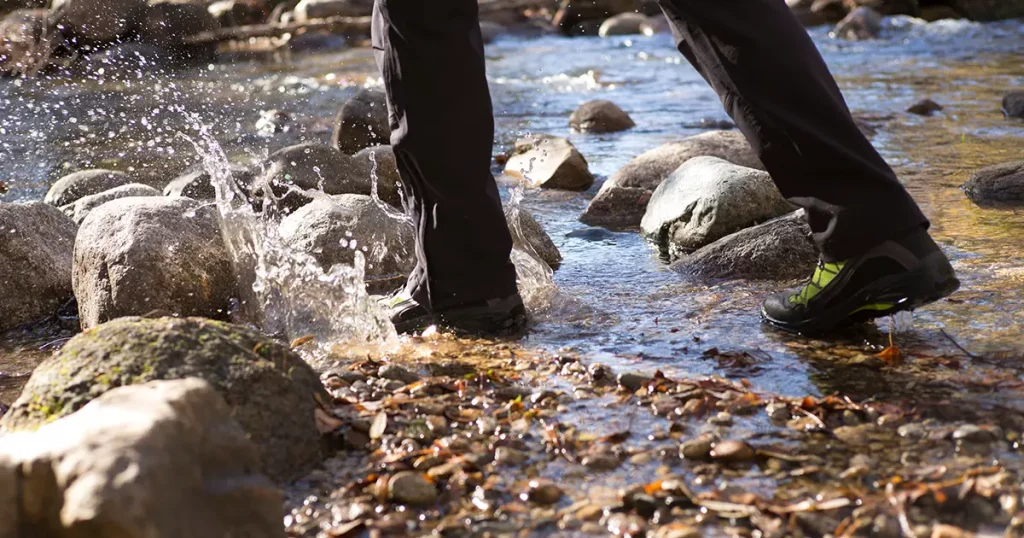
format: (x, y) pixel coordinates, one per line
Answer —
(892, 277)
(480, 318)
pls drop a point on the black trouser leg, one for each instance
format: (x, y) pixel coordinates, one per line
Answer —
(431, 56)
(775, 85)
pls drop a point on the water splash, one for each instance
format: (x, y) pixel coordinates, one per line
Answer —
(285, 292)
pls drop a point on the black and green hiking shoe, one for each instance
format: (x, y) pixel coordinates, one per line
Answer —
(481, 318)
(894, 276)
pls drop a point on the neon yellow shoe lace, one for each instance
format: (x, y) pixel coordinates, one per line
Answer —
(824, 273)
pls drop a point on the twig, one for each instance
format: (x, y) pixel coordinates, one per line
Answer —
(812, 415)
(957, 344)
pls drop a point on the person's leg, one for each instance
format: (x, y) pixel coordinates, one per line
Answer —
(431, 57)
(775, 85)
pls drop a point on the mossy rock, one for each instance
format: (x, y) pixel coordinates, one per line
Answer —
(272, 392)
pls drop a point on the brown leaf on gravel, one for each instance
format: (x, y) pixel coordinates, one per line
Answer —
(892, 355)
(325, 422)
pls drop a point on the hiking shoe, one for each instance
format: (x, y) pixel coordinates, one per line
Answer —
(894, 276)
(490, 317)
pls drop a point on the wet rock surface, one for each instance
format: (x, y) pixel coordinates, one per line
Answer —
(131, 463)
(70, 188)
(290, 172)
(622, 24)
(600, 116)
(1013, 105)
(197, 185)
(362, 122)
(526, 229)
(36, 250)
(861, 23)
(270, 391)
(706, 199)
(134, 256)
(549, 162)
(780, 249)
(332, 229)
(995, 185)
(623, 198)
(84, 205)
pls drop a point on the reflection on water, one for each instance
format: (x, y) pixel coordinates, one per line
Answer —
(638, 315)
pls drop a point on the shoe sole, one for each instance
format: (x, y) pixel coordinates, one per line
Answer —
(932, 281)
(475, 321)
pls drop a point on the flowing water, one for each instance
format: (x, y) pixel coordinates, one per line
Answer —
(615, 303)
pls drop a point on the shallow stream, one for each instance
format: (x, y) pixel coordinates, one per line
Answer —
(625, 309)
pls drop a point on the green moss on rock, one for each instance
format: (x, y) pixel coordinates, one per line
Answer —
(271, 390)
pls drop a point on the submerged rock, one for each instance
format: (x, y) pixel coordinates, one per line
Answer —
(706, 199)
(622, 200)
(36, 249)
(780, 249)
(999, 184)
(525, 228)
(362, 122)
(134, 256)
(271, 392)
(622, 24)
(132, 462)
(862, 23)
(83, 206)
(549, 162)
(71, 187)
(331, 230)
(1013, 105)
(924, 107)
(600, 117)
(291, 171)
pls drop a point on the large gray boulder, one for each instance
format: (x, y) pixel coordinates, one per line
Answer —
(600, 116)
(549, 162)
(83, 206)
(100, 20)
(779, 249)
(160, 460)
(362, 122)
(1002, 184)
(292, 171)
(622, 200)
(331, 229)
(270, 391)
(862, 23)
(134, 256)
(706, 199)
(71, 187)
(37, 243)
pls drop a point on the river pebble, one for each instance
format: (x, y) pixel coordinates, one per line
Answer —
(409, 487)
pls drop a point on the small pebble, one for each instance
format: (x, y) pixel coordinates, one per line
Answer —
(632, 382)
(543, 492)
(397, 373)
(973, 434)
(601, 462)
(410, 487)
(509, 456)
(733, 452)
(698, 449)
